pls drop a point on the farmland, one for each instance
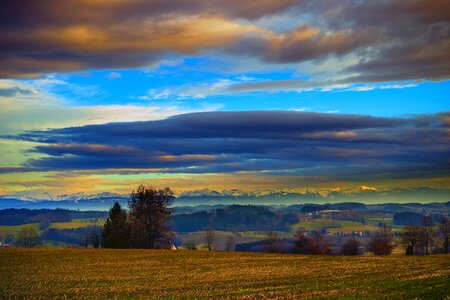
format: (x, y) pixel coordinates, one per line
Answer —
(14, 230)
(339, 225)
(101, 273)
(75, 223)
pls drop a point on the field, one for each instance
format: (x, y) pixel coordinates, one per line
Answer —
(75, 223)
(14, 230)
(341, 225)
(153, 274)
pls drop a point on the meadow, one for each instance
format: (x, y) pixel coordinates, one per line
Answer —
(14, 230)
(77, 223)
(6, 230)
(157, 274)
(340, 225)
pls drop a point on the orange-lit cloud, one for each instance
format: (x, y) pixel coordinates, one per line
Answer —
(368, 188)
(390, 40)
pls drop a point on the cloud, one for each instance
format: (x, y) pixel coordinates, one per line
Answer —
(79, 47)
(238, 86)
(303, 44)
(386, 40)
(27, 106)
(14, 91)
(113, 75)
(282, 143)
(368, 188)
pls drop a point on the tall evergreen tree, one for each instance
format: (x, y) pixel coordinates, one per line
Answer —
(149, 217)
(116, 232)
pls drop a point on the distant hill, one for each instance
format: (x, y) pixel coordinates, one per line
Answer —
(234, 218)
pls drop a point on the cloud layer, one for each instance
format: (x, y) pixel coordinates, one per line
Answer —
(389, 40)
(265, 142)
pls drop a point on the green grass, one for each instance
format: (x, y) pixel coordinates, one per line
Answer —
(77, 223)
(14, 230)
(344, 226)
(375, 220)
(164, 274)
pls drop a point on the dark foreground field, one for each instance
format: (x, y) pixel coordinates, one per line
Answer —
(79, 273)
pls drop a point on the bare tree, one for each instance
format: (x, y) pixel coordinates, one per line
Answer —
(230, 243)
(95, 237)
(92, 237)
(319, 243)
(426, 233)
(410, 238)
(28, 238)
(316, 243)
(350, 247)
(190, 245)
(381, 241)
(210, 238)
(149, 213)
(444, 230)
(301, 243)
(272, 243)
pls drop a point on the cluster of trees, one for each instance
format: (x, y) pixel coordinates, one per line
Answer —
(25, 216)
(211, 240)
(413, 218)
(235, 218)
(13, 216)
(299, 243)
(345, 206)
(83, 236)
(427, 238)
(144, 225)
(28, 237)
(381, 242)
(423, 239)
(313, 243)
(316, 243)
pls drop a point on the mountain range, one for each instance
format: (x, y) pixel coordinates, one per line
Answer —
(103, 201)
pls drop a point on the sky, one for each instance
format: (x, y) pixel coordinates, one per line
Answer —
(104, 95)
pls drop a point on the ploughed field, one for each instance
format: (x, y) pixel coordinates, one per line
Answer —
(104, 273)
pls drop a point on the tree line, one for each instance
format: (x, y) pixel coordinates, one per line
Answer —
(235, 218)
(14, 216)
(425, 239)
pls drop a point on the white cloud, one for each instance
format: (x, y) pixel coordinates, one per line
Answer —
(113, 75)
(362, 88)
(397, 86)
(43, 110)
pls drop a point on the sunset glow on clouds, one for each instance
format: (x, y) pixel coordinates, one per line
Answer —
(223, 94)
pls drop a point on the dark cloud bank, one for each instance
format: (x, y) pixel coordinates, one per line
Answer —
(276, 142)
